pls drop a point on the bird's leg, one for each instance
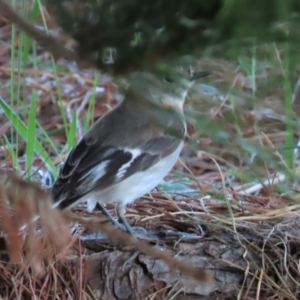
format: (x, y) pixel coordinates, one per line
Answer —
(108, 215)
(121, 211)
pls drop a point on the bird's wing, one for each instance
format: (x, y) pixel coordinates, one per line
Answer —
(91, 167)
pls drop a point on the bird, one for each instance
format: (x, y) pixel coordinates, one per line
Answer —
(127, 152)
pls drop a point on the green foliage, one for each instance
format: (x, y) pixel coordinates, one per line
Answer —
(26, 134)
(72, 132)
(30, 141)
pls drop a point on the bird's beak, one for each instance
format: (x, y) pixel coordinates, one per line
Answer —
(199, 74)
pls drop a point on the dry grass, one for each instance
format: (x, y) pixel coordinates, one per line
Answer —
(234, 186)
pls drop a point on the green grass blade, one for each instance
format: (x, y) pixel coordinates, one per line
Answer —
(23, 132)
(89, 117)
(30, 145)
(43, 134)
(72, 132)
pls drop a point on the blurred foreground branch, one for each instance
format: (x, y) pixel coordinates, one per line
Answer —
(120, 37)
(49, 42)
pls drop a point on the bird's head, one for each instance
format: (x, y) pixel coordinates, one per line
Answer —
(167, 91)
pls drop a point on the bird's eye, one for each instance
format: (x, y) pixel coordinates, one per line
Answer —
(169, 80)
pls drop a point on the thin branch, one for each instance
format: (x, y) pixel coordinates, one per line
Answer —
(50, 43)
(203, 275)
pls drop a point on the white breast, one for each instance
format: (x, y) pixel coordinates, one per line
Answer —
(136, 185)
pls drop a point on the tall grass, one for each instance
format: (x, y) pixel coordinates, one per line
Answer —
(25, 125)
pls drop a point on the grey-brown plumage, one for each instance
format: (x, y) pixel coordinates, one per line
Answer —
(108, 143)
(127, 152)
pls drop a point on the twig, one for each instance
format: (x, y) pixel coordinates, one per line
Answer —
(201, 274)
(50, 43)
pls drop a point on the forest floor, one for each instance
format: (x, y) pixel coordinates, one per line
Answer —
(227, 217)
